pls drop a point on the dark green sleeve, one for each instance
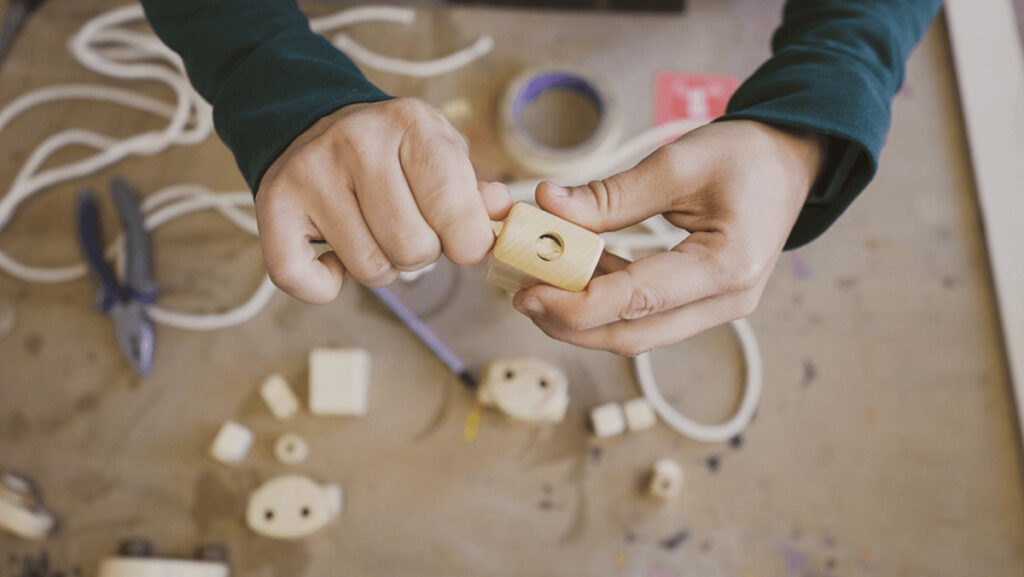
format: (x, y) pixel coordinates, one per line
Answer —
(835, 68)
(266, 74)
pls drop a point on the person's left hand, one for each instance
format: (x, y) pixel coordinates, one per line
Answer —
(736, 186)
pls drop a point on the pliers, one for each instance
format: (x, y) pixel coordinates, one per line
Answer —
(13, 19)
(125, 305)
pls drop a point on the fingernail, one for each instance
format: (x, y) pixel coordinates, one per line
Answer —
(532, 307)
(558, 190)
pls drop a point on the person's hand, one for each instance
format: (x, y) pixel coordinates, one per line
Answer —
(387, 185)
(736, 186)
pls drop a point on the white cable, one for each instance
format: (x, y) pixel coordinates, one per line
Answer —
(754, 385)
(420, 69)
(362, 15)
(396, 15)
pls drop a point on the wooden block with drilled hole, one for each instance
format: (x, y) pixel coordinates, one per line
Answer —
(535, 246)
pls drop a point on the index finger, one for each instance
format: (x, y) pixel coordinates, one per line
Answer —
(445, 187)
(292, 262)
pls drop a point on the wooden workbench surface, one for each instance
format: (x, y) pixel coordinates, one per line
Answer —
(885, 443)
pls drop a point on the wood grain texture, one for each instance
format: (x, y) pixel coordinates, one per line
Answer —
(535, 246)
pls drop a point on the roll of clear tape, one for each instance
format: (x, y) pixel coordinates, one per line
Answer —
(539, 159)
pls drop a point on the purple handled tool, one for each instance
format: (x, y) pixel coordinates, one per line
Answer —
(424, 334)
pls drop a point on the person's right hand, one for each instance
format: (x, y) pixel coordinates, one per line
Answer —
(388, 185)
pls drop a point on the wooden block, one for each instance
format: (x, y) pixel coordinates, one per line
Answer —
(232, 443)
(339, 381)
(279, 397)
(608, 420)
(535, 246)
(639, 414)
(666, 479)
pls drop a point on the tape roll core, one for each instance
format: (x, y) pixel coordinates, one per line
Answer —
(541, 159)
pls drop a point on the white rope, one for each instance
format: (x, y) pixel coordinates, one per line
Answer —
(753, 387)
(421, 69)
(107, 45)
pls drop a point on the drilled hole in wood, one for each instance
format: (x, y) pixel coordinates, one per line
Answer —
(549, 246)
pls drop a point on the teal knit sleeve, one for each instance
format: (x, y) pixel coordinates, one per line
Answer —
(835, 68)
(267, 75)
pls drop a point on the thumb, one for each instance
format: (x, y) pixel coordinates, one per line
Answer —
(618, 201)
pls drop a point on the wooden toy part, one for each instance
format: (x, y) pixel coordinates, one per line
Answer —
(666, 479)
(153, 567)
(535, 246)
(279, 397)
(608, 420)
(339, 382)
(232, 443)
(292, 506)
(22, 512)
(291, 448)
(526, 389)
(639, 414)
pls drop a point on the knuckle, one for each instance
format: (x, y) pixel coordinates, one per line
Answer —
(605, 197)
(308, 158)
(414, 249)
(366, 153)
(576, 321)
(373, 269)
(409, 110)
(645, 300)
(469, 248)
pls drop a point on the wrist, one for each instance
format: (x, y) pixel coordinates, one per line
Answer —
(802, 152)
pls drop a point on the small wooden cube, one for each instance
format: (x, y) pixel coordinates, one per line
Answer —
(666, 479)
(608, 420)
(535, 246)
(279, 397)
(339, 382)
(232, 443)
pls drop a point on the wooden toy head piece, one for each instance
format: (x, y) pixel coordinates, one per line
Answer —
(535, 246)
